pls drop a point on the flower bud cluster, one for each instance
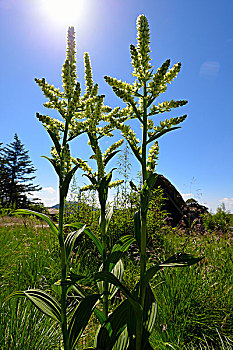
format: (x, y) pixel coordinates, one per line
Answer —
(150, 124)
(156, 84)
(100, 164)
(153, 156)
(167, 124)
(74, 101)
(166, 106)
(112, 148)
(87, 188)
(66, 158)
(88, 74)
(115, 183)
(82, 165)
(122, 89)
(136, 63)
(172, 73)
(71, 52)
(54, 125)
(143, 45)
(53, 94)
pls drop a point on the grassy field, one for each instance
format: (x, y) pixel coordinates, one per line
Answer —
(194, 304)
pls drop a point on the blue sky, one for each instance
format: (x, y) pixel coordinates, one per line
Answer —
(197, 158)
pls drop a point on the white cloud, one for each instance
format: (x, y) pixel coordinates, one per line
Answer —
(48, 196)
(228, 203)
(50, 190)
(187, 195)
(210, 69)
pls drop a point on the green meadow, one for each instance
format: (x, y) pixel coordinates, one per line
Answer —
(194, 304)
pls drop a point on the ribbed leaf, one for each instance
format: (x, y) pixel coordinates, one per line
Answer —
(55, 140)
(177, 260)
(109, 157)
(103, 188)
(80, 318)
(113, 327)
(118, 250)
(70, 240)
(108, 218)
(91, 235)
(110, 278)
(118, 271)
(91, 178)
(83, 293)
(40, 215)
(149, 310)
(43, 301)
(122, 341)
(54, 163)
(67, 180)
(146, 189)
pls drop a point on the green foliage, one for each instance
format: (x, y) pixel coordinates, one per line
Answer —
(198, 302)
(16, 171)
(221, 221)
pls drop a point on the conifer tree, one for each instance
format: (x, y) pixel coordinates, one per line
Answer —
(16, 175)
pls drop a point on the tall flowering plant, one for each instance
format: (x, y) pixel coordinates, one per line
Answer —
(79, 115)
(93, 112)
(139, 309)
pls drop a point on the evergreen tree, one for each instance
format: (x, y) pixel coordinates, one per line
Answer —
(16, 175)
(4, 177)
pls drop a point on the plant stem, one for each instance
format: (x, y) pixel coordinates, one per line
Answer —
(63, 272)
(104, 242)
(139, 326)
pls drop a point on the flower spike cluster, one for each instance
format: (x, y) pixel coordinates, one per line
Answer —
(140, 96)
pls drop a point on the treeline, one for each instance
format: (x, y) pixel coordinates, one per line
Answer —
(16, 176)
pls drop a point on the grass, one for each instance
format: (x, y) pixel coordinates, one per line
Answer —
(194, 303)
(28, 258)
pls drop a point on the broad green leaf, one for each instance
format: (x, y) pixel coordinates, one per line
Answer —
(110, 156)
(70, 240)
(118, 250)
(113, 327)
(122, 340)
(103, 188)
(80, 318)
(109, 277)
(108, 218)
(118, 271)
(40, 215)
(54, 163)
(66, 183)
(91, 178)
(91, 235)
(177, 260)
(146, 189)
(43, 301)
(83, 293)
(149, 310)
(55, 140)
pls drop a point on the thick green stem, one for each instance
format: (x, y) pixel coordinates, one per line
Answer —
(104, 242)
(63, 251)
(63, 273)
(139, 326)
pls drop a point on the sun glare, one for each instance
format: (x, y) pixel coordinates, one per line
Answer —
(65, 12)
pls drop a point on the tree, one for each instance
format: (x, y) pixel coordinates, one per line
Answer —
(4, 176)
(16, 175)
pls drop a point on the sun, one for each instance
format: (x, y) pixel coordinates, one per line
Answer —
(65, 12)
